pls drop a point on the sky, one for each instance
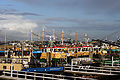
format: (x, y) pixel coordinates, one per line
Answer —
(97, 18)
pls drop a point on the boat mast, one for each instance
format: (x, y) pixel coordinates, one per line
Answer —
(53, 35)
(43, 36)
(62, 36)
(86, 39)
(5, 47)
(49, 54)
(76, 37)
(31, 36)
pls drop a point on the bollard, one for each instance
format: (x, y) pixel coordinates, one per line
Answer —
(52, 77)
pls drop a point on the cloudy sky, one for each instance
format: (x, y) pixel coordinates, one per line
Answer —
(98, 18)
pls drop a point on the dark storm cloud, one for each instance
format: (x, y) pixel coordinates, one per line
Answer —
(104, 14)
(87, 6)
(90, 24)
(75, 20)
(4, 10)
(24, 14)
(15, 12)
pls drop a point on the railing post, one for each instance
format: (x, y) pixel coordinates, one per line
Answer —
(52, 77)
(43, 76)
(4, 72)
(110, 70)
(63, 77)
(34, 76)
(11, 69)
(17, 74)
(25, 76)
(112, 61)
(74, 76)
(71, 65)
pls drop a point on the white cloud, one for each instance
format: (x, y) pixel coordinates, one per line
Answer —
(16, 23)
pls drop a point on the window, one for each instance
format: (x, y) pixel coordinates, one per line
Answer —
(42, 50)
(4, 67)
(86, 49)
(59, 50)
(69, 49)
(55, 50)
(62, 49)
(99, 49)
(83, 49)
(79, 49)
(45, 50)
(73, 50)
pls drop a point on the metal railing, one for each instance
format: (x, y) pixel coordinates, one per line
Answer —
(92, 70)
(41, 76)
